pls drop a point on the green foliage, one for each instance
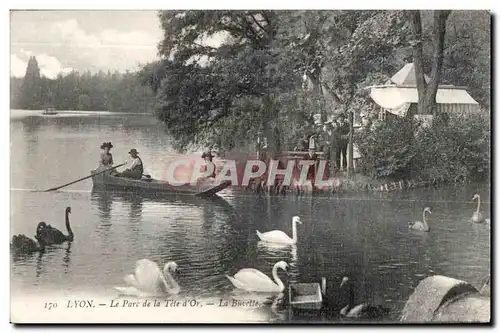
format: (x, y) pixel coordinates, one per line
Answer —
(227, 75)
(75, 91)
(387, 147)
(399, 148)
(467, 50)
(228, 93)
(31, 88)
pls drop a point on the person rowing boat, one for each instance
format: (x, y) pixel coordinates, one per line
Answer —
(136, 168)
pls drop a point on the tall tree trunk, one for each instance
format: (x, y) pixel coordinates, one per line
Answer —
(418, 61)
(317, 92)
(427, 91)
(270, 129)
(438, 33)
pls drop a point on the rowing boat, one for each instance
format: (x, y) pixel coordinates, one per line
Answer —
(205, 186)
(49, 112)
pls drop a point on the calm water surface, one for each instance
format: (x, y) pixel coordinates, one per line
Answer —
(363, 236)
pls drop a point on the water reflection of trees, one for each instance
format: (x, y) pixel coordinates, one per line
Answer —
(128, 124)
(191, 234)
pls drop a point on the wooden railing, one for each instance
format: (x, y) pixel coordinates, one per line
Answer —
(297, 154)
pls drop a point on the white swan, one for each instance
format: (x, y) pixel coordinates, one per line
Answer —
(251, 279)
(149, 280)
(278, 236)
(477, 216)
(421, 225)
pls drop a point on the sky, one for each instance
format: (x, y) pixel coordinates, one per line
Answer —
(63, 41)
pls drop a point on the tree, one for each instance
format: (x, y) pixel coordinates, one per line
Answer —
(31, 87)
(207, 92)
(342, 52)
(86, 91)
(467, 52)
(251, 78)
(427, 90)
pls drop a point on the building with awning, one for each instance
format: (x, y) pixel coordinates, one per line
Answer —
(399, 96)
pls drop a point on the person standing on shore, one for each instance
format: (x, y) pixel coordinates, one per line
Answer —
(303, 144)
(343, 128)
(329, 146)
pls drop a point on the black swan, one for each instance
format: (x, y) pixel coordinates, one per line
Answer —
(363, 310)
(24, 244)
(53, 235)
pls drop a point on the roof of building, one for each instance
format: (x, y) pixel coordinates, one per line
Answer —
(394, 97)
(402, 90)
(406, 76)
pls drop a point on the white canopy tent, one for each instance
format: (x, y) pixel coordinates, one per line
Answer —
(400, 94)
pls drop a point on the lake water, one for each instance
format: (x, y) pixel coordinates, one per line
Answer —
(364, 236)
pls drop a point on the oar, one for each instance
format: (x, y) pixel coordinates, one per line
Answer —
(76, 181)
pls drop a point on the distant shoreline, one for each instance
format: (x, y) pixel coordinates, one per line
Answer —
(14, 112)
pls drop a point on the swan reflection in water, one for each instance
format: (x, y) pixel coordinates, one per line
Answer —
(259, 301)
(67, 258)
(273, 252)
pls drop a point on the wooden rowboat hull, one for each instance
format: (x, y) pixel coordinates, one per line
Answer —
(205, 187)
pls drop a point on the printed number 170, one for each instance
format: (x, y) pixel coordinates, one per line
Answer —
(50, 306)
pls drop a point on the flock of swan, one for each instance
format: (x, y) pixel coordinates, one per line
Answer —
(45, 235)
(149, 280)
(477, 217)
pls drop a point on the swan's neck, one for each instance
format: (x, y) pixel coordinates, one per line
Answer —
(478, 204)
(277, 279)
(68, 227)
(351, 297)
(41, 245)
(172, 285)
(424, 220)
(294, 231)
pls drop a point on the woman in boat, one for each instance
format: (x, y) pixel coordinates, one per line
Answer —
(106, 157)
(106, 160)
(136, 167)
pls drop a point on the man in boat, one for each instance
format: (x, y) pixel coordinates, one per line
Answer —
(136, 167)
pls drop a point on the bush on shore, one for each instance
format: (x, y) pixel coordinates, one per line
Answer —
(456, 149)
